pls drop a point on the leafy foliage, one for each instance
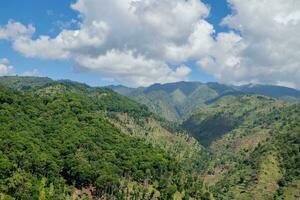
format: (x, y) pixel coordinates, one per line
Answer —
(66, 140)
(58, 137)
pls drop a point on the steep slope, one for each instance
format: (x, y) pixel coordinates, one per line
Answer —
(227, 114)
(176, 101)
(271, 170)
(172, 101)
(254, 146)
(67, 140)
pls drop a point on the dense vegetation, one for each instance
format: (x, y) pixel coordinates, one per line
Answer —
(271, 169)
(254, 147)
(66, 140)
(227, 114)
(59, 137)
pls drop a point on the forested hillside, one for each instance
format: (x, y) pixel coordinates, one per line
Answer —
(254, 147)
(227, 114)
(65, 140)
(177, 101)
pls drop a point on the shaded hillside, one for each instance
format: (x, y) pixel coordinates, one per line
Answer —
(269, 168)
(67, 140)
(227, 114)
(172, 101)
(254, 145)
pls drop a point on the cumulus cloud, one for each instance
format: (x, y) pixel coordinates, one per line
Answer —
(143, 37)
(14, 30)
(128, 66)
(5, 68)
(198, 44)
(267, 48)
(65, 45)
(137, 41)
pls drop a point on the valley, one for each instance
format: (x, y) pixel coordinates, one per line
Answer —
(185, 140)
(177, 101)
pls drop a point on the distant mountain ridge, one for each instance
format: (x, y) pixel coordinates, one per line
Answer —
(176, 101)
(280, 92)
(173, 101)
(61, 138)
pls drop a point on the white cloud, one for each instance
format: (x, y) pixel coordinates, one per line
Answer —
(134, 41)
(223, 61)
(14, 30)
(130, 67)
(156, 32)
(5, 68)
(199, 43)
(267, 49)
(67, 44)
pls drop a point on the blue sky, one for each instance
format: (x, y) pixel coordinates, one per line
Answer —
(138, 43)
(49, 15)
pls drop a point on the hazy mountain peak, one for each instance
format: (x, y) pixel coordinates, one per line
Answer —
(182, 98)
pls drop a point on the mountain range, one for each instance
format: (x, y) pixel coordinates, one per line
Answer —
(176, 101)
(186, 140)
